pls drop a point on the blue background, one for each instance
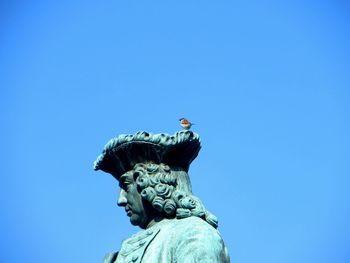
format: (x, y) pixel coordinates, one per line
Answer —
(266, 82)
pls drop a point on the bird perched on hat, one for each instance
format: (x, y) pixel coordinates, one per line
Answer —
(186, 124)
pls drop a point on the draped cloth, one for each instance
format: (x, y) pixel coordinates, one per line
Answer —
(187, 240)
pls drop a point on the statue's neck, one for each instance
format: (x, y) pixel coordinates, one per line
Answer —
(154, 221)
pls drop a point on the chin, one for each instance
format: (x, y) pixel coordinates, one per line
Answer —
(134, 221)
(140, 223)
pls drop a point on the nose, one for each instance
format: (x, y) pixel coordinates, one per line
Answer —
(122, 198)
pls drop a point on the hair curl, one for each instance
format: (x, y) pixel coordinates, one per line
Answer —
(169, 192)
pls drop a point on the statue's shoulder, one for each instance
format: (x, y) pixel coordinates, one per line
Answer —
(190, 223)
(191, 237)
(193, 228)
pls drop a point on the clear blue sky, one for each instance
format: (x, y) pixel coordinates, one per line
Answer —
(266, 82)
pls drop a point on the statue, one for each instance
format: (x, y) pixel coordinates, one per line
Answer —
(155, 190)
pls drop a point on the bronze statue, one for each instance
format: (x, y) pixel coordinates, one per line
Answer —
(155, 190)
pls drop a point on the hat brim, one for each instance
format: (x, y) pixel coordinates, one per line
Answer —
(121, 154)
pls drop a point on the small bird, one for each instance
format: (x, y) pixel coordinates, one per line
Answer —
(186, 124)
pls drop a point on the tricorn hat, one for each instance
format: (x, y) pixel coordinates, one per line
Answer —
(122, 153)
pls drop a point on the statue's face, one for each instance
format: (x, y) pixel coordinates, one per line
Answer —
(130, 198)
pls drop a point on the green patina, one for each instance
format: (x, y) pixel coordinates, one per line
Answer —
(152, 170)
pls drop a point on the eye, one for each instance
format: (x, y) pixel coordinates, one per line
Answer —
(122, 185)
(126, 183)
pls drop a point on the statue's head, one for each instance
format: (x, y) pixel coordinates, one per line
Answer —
(152, 171)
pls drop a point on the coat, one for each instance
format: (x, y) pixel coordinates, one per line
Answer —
(187, 240)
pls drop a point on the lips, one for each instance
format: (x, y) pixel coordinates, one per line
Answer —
(128, 212)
